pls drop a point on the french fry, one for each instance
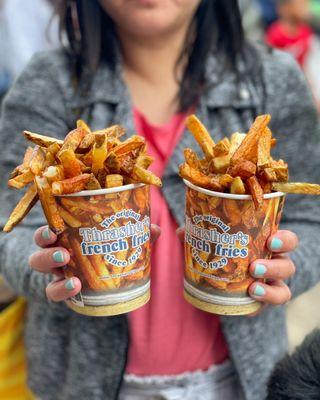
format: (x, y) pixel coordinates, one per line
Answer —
(222, 148)
(144, 176)
(235, 141)
(113, 132)
(225, 180)
(144, 161)
(264, 146)
(21, 180)
(220, 164)
(281, 170)
(192, 158)
(51, 153)
(113, 181)
(70, 163)
(135, 142)
(243, 168)
(41, 140)
(22, 208)
(248, 148)
(72, 140)
(86, 267)
(24, 167)
(49, 205)
(93, 183)
(54, 173)
(70, 185)
(99, 153)
(37, 161)
(269, 174)
(68, 218)
(198, 178)
(297, 187)
(237, 186)
(82, 125)
(201, 135)
(255, 191)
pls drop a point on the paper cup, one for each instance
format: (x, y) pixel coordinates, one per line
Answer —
(224, 234)
(108, 237)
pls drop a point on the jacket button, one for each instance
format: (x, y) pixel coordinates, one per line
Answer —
(244, 94)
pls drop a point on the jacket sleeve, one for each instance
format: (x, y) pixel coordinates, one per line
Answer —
(295, 124)
(35, 103)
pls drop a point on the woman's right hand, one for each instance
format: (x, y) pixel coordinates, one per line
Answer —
(49, 260)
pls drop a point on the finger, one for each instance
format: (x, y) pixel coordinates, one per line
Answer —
(155, 232)
(180, 232)
(278, 268)
(44, 237)
(274, 293)
(63, 289)
(47, 260)
(283, 242)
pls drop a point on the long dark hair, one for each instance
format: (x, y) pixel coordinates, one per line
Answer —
(216, 27)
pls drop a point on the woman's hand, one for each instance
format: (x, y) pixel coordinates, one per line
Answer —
(275, 271)
(51, 258)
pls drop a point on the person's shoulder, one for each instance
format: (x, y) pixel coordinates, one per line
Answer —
(280, 69)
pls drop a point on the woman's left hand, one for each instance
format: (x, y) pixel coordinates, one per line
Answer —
(274, 291)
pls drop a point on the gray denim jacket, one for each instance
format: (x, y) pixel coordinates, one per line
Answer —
(73, 357)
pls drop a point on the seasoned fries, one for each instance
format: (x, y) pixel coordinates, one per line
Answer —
(84, 160)
(245, 158)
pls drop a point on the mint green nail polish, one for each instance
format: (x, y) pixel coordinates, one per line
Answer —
(259, 270)
(259, 290)
(276, 244)
(69, 285)
(45, 234)
(58, 256)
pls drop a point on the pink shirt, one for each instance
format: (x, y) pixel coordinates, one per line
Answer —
(169, 336)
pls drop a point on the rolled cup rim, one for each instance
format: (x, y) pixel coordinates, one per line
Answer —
(230, 195)
(98, 192)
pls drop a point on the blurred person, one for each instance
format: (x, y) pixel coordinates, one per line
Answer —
(268, 11)
(251, 19)
(297, 376)
(147, 64)
(24, 30)
(292, 32)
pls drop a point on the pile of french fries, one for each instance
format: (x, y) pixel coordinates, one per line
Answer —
(241, 164)
(84, 160)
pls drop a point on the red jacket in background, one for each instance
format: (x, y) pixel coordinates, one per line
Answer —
(297, 45)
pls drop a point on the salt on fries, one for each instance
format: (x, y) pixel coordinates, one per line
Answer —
(241, 164)
(84, 160)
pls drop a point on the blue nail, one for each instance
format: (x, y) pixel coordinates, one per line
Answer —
(259, 290)
(276, 244)
(69, 285)
(58, 256)
(259, 270)
(45, 233)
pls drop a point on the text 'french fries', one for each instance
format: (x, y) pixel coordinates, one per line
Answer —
(84, 160)
(245, 158)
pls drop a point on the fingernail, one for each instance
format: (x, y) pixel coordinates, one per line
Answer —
(276, 244)
(69, 285)
(259, 290)
(259, 270)
(58, 256)
(45, 234)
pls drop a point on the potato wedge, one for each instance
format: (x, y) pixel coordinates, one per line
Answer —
(248, 150)
(49, 205)
(281, 170)
(201, 135)
(73, 140)
(235, 141)
(70, 163)
(255, 191)
(264, 146)
(41, 140)
(114, 180)
(99, 153)
(237, 186)
(243, 168)
(222, 148)
(296, 187)
(144, 161)
(22, 208)
(70, 185)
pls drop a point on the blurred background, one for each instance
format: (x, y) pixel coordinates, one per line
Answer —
(28, 26)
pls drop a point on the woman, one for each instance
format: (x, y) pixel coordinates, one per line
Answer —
(147, 64)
